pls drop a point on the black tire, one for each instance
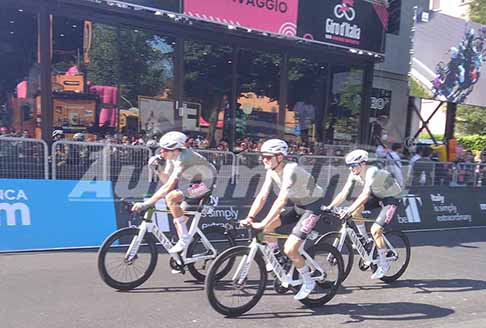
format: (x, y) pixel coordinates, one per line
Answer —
(347, 253)
(403, 250)
(214, 284)
(327, 289)
(124, 237)
(224, 240)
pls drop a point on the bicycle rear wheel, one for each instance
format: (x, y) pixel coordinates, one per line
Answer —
(220, 239)
(119, 272)
(347, 251)
(331, 262)
(226, 294)
(398, 254)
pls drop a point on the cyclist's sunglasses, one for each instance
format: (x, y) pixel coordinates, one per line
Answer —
(165, 150)
(353, 165)
(268, 157)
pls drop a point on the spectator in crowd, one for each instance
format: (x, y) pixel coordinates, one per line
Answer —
(393, 163)
(4, 132)
(422, 168)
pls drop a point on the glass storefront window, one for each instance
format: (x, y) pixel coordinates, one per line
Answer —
(304, 112)
(108, 80)
(345, 105)
(207, 92)
(258, 93)
(20, 73)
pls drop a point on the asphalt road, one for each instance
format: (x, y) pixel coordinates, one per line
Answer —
(444, 286)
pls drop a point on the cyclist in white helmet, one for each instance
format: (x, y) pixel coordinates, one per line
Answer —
(380, 190)
(181, 164)
(298, 186)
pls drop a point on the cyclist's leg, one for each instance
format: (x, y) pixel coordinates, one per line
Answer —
(174, 200)
(272, 241)
(386, 214)
(304, 226)
(359, 221)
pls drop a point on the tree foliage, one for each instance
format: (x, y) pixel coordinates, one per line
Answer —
(470, 120)
(477, 11)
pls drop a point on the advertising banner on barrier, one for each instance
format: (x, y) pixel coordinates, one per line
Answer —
(48, 214)
(442, 207)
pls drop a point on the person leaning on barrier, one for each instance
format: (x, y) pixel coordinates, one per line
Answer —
(180, 163)
(380, 190)
(61, 154)
(298, 186)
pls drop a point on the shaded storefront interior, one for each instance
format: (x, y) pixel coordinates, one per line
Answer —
(102, 67)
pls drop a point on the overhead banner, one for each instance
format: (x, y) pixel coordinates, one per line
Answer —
(48, 214)
(276, 16)
(354, 24)
(351, 23)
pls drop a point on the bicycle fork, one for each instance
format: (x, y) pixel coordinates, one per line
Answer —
(136, 242)
(244, 266)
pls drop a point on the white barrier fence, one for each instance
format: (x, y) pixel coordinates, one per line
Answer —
(22, 158)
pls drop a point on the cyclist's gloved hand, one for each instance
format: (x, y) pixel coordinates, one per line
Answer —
(326, 208)
(246, 222)
(140, 207)
(154, 162)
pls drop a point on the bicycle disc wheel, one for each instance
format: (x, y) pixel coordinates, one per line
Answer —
(220, 239)
(331, 261)
(116, 270)
(226, 294)
(347, 251)
(398, 255)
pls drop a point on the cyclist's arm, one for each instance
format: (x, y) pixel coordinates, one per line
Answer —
(362, 199)
(170, 185)
(164, 177)
(341, 197)
(277, 207)
(260, 199)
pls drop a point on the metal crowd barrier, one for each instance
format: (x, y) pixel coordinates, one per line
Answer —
(73, 160)
(224, 161)
(23, 158)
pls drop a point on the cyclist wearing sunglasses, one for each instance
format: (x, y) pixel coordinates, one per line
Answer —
(298, 186)
(182, 164)
(380, 191)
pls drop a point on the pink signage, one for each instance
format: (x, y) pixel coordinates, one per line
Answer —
(276, 16)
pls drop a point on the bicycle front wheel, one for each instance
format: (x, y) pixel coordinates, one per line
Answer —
(119, 271)
(330, 261)
(236, 292)
(347, 251)
(220, 239)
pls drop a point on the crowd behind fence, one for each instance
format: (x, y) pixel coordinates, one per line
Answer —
(22, 158)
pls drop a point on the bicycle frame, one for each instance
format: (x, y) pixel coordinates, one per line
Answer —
(347, 231)
(286, 278)
(148, 225)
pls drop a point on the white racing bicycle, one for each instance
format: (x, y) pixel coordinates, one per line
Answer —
(348, 239)
(128, 257)
(237, 278)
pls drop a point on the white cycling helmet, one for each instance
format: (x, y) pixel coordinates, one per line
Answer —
(56, 133)
(173, 140)
(356, 157)
(275, 146)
